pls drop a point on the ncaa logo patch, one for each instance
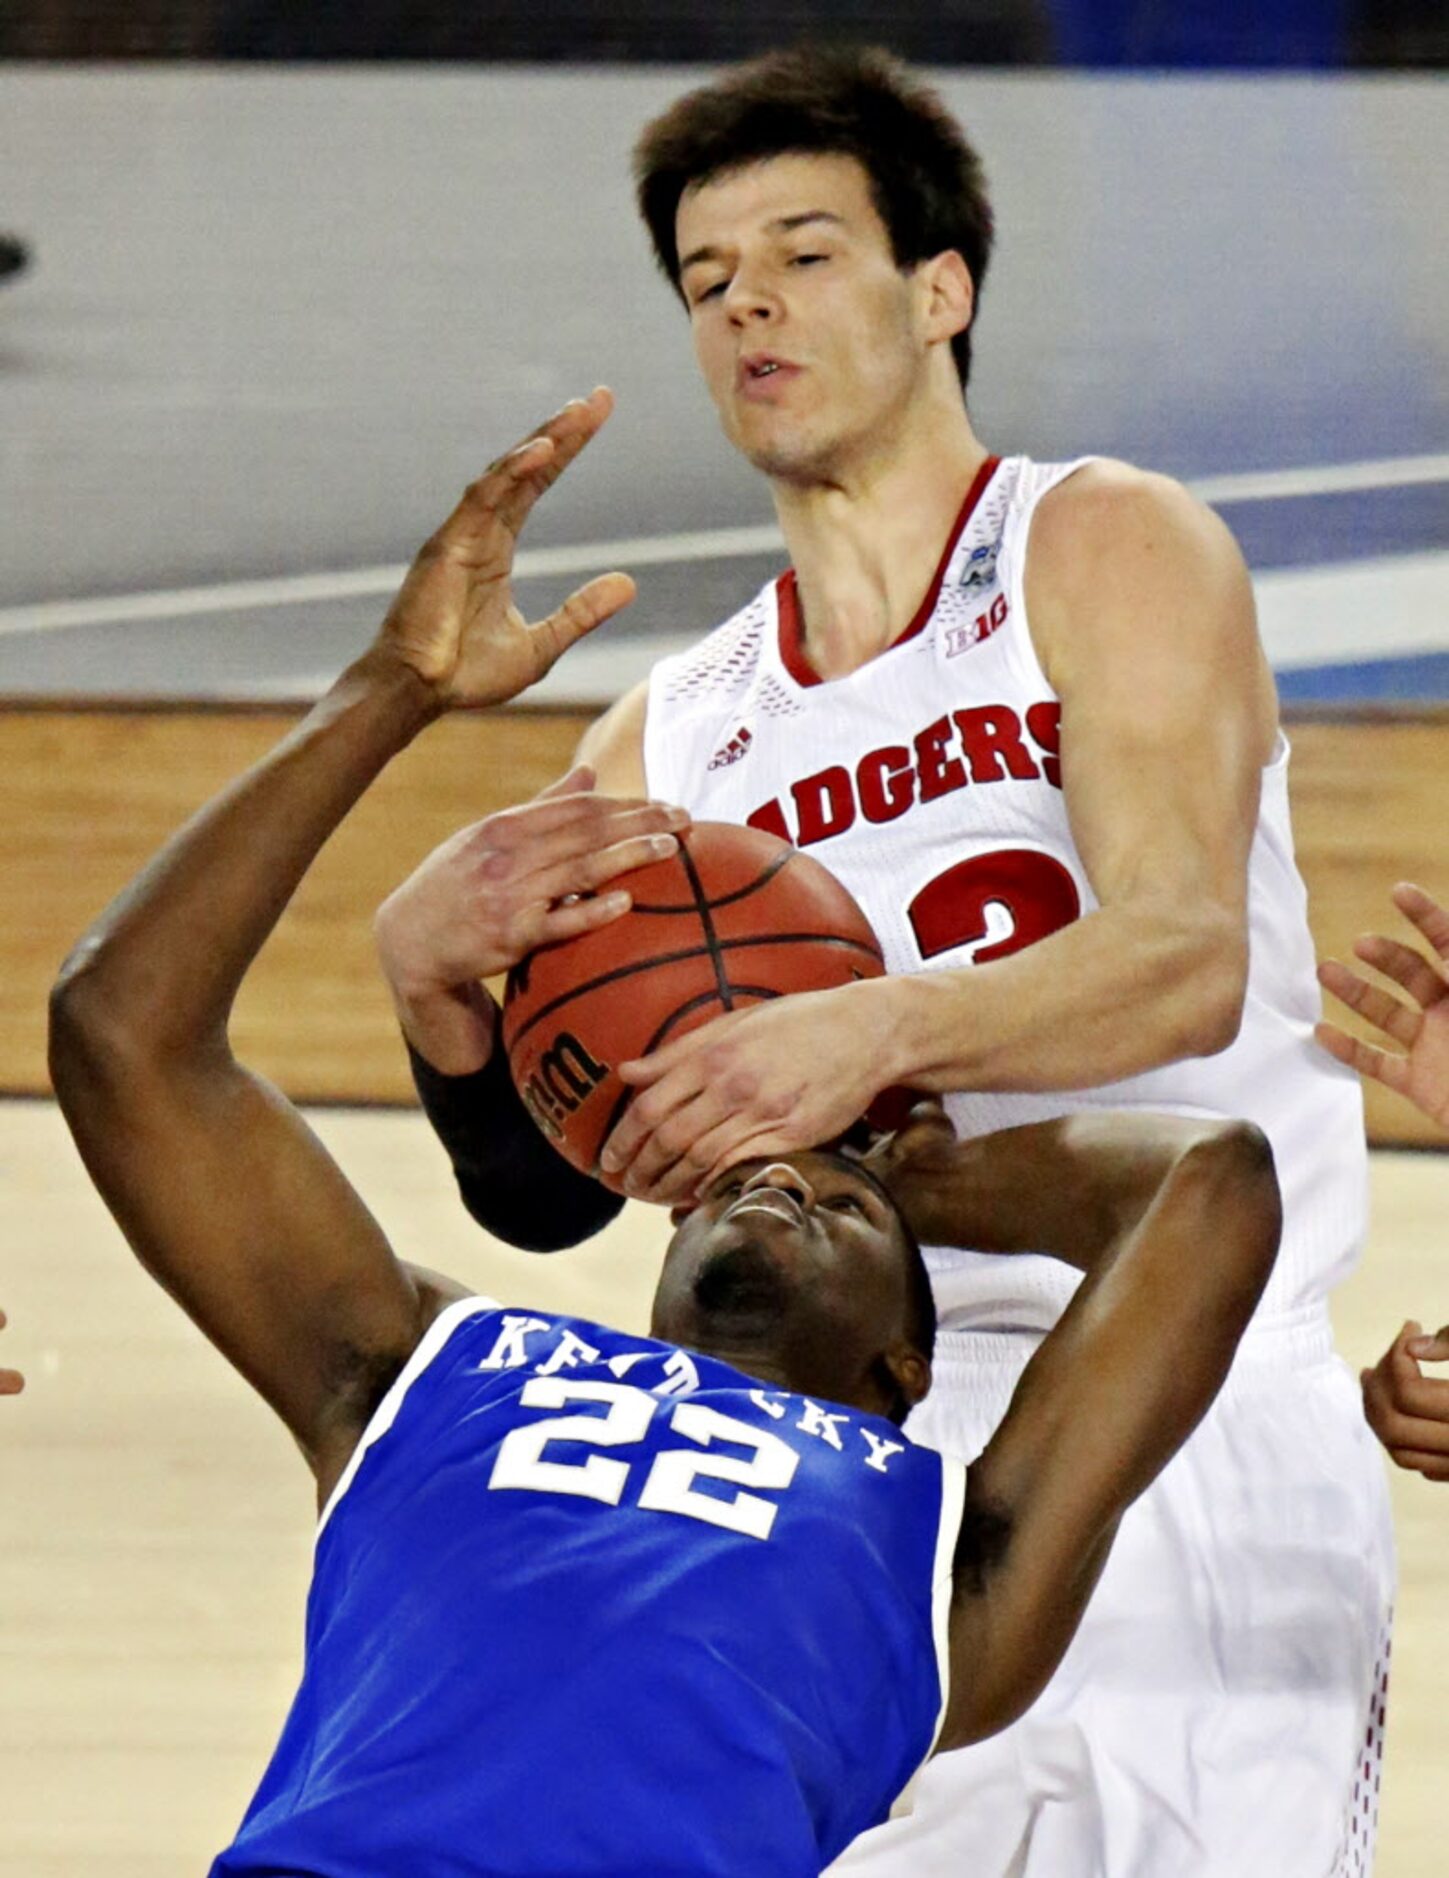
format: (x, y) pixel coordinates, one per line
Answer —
(980, 568)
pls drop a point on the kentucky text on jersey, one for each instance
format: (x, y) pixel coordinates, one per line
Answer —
(586, 1603)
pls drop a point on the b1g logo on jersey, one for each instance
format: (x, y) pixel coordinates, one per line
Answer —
(961, 638)
(565, 1079)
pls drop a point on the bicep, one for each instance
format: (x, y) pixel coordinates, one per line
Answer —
(235, 1206)
(1168, 709)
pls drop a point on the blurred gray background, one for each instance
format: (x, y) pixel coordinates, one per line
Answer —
(278, 315)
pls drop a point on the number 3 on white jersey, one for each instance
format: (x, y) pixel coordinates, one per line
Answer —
(669, 1486)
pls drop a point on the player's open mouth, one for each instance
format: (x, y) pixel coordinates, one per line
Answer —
(760, 369)
(768, 1200)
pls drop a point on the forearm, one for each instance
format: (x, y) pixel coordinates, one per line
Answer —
(1150, 1334)
(1103, 1405)
(1125, 989)
(1071, 1187)
(163, 962)
(509, 1177)
(452, 1030)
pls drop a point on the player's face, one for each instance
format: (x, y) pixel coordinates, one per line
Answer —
(796, 1270)
(811, 339)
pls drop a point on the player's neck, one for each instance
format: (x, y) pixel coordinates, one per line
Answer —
(866, 544)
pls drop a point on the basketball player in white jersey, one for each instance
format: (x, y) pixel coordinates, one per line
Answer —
(1021, 710)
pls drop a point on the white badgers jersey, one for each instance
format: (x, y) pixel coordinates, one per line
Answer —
(929, 781)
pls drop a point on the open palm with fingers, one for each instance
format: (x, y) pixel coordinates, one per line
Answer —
(454, 620)
(1419, 1067)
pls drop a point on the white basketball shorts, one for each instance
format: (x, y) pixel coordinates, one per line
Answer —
(1219, 1712)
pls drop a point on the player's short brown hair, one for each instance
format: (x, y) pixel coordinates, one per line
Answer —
(926, 179)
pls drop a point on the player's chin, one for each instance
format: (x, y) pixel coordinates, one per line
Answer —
(748, 1273)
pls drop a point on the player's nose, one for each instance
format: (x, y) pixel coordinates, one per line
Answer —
(748, 298)
(784, 1179)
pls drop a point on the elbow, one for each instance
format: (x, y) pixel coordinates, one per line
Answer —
(77, 1015)
(1216, 982)
(1235, 1160)
(95, 1039)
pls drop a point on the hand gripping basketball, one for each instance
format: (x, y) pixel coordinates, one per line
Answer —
(736, 916)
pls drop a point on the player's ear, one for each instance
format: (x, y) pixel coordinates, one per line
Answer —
(909, 1371)
(950, 295)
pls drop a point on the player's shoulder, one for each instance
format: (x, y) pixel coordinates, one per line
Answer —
(1109, 519)
(724, 659)
(1106, 496)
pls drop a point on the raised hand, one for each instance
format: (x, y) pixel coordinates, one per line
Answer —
(1419, 1069)
(453, 621)
(1407, 1410)
(11, 1380)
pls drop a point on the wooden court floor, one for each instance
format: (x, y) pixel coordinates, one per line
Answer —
(155, 1521)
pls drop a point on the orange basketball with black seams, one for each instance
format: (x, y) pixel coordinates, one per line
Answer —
(734, 917)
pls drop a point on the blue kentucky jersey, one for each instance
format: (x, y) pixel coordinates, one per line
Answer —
(585, 1603)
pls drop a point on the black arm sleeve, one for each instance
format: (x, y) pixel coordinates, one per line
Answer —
(510, 1179)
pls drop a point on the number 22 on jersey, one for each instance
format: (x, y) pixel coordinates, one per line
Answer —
(669, 1486)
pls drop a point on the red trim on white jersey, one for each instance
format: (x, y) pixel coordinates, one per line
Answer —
(787, 590)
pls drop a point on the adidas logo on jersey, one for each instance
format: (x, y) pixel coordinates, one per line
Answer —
(731, 752)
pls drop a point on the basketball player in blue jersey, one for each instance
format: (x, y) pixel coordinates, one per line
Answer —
(588, 1603)
(1020, 709)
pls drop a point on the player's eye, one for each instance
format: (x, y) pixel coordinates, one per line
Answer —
(710, 293)
(807, 260)
(847, 1203)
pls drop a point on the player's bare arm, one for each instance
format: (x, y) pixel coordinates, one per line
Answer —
(222, 1190)
(1175, 1224)
(1135, 592)
(1407, 1410)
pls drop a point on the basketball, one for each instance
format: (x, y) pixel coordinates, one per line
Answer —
(734, 916)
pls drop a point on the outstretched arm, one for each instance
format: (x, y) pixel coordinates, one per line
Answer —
(1407, 1410)
(223, 1191)
(1175, 1224)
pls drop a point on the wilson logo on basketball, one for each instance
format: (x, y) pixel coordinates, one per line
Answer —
(564, 1080)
